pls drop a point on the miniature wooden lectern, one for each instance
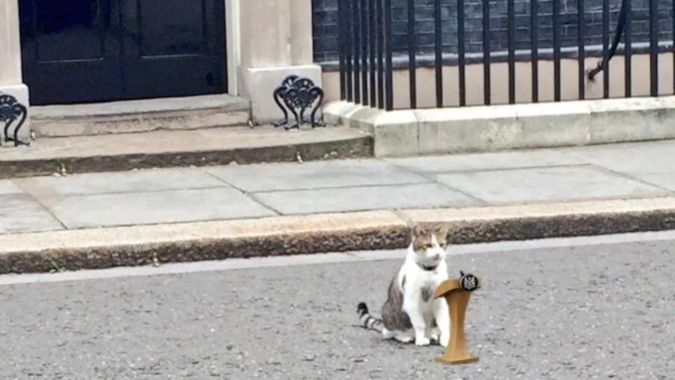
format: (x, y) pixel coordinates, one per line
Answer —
(457, 293)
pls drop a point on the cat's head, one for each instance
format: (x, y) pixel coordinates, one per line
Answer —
(429, 244)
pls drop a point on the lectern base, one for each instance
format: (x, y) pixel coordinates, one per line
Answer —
(443, 360)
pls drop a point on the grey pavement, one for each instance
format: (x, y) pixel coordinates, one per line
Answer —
(619, 171)
(601, 311)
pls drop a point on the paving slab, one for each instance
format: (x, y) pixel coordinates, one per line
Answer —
(172, 206)
(20, 213)
(655, 157)
(547, 184)
(488, 161)
(361, 199)
(121, 182)
(9, 187)
(665, 180)
(650, 162)
(315, 175)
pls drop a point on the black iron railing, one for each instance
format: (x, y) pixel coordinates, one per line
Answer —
(367, 59)
(13, 115)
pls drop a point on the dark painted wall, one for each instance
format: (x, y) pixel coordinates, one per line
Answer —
(325, 24)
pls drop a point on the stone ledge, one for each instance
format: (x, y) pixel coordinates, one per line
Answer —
(128, 108)
(161, 149)
(278, 236)
(402, 133)
(133, 116)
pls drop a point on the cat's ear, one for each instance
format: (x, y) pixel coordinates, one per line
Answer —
(442, 234)
(417, 231)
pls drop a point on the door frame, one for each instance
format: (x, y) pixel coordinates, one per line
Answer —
(232, 45)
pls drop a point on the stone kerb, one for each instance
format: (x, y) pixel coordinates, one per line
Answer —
(401, 133)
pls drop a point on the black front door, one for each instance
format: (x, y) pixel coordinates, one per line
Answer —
(79, 51)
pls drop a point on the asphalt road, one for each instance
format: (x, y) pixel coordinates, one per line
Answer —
(578, 312)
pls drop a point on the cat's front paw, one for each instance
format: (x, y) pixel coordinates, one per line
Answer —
(435, 334)
(422, 341)
(444, 340)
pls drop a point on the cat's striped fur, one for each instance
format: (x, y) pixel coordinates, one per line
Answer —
(367, 320)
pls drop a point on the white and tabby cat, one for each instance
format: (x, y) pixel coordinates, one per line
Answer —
(410, 314)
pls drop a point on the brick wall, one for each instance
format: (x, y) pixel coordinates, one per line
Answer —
(326, 42)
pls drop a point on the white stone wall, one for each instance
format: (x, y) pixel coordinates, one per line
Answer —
(276, 41)
(10, 59)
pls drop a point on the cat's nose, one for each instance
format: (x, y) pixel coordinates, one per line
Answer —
(436, 257)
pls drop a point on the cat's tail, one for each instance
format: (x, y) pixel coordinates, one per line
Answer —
(368, 321)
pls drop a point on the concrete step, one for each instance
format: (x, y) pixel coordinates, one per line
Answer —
(186, 113)
(161, 149)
